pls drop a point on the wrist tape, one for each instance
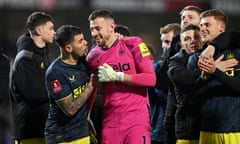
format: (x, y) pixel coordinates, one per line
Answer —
(120, 76)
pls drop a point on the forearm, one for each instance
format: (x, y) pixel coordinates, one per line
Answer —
(145, 78)
(71, 105)
(142, 79)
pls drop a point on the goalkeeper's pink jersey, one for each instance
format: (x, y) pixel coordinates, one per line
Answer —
(125, 104)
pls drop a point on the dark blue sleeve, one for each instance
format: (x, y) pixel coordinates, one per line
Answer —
(232, 82)
(57, 85)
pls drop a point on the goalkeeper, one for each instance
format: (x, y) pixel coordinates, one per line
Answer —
(124, 68)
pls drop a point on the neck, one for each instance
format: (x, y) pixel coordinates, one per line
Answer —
(111, 41)
(68, 59)
(38, 41)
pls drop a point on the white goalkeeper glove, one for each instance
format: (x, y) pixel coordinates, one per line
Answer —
(107, 74)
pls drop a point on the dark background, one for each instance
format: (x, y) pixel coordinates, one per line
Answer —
(142, 18)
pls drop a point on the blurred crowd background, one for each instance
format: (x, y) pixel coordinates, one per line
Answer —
(143, 17)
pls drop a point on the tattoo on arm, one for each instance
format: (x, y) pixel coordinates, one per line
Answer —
(70, 105)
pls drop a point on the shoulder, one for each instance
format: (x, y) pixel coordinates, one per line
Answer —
(135, 42)
(231, 33)
(229, 53)
(132, 40)
(179, 55)
(94, 52)
(54, 68)
(23, 58)
(24, 54)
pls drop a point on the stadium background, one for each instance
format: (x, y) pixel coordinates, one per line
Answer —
(143, 17)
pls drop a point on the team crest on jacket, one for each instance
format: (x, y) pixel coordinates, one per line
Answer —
(56, 86)
(72, 78)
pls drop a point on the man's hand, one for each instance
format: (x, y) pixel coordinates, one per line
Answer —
(107, 74)
(208, 65)
(225, 65)
(119, 36)
(208, 52)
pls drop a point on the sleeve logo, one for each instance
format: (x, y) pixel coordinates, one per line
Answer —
(56, 86)
(144, 49)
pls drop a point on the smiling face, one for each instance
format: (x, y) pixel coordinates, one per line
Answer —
(210, 28)
(101, 30)
(191, 41)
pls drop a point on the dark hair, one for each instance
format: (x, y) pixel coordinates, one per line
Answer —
(65, 34)
(191, 8)
(100, 13)
(36, 19)
(190, 27)
(122, 29)
(217, 14)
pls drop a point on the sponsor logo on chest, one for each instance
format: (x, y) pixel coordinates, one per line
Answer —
(121, 67)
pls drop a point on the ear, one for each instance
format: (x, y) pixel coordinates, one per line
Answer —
(222, 27)
(38, 30)
(68, 48)
(112, 25)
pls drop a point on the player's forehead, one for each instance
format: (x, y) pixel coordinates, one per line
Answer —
(79, 36)
(168, 35)
(189, 13)
(190, 34)
(99, 21)
(207, 20)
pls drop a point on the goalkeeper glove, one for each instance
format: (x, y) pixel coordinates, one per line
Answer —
(107, 74)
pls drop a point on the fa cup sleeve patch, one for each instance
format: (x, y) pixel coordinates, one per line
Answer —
(56, 86)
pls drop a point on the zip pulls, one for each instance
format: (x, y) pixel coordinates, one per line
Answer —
(46, 56)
